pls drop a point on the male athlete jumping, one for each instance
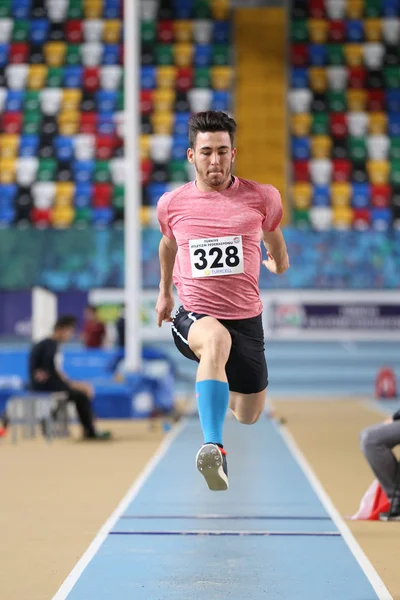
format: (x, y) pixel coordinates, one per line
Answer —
(212, 228)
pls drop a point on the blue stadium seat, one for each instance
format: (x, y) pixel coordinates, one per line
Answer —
(317, 54)
(221, 32)
(73, 76)
(83, 170)
(298, 78)
(390, 8)
(106, 100)
(393, 100)
(105, 122)
(7, 215)
(355, 30)
(181, 123)
(183, 9)
(179, 147)
(21, 9)
(202, 55)
(102, 216)
(111, 54)
(148, 78)
(14, 101)
(321, 195)
(28, 145)
(64, 146)
(155, 191)
(39, 31)
(220, 100)
(361, 195)
(394, 124)
(4, 50)
(83, 195)
(8, 192)
(300, 148)
(381, 218)
(112, 9)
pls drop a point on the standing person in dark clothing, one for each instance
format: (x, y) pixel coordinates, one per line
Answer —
(94, 332)
(46, 375)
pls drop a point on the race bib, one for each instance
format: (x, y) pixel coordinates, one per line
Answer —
(213, 257)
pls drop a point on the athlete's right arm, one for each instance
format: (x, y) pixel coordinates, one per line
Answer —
(165, 303)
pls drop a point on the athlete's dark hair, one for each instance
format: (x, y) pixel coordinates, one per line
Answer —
(211, 120)
(65, 321)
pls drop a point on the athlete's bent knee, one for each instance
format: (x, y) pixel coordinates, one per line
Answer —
(216, 344)
(247, 419)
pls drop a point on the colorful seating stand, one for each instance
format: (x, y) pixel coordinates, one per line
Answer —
(62, 101)
(344, 103)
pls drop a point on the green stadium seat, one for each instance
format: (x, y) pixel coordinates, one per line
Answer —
(118, 197)
(394, 152)
(148, 32)
(20, 30)
(201, 9)
(220, 54)
(336, 54)
(73, 56)
(357, 149)
(202, 77)
(336, 101)
(299, 30)
(47, 169)
(32, 100)
(102, 172)
(5, 9)
(394, 177)
(320, 124)
(164, 54)
(372, 8)
(55, 77)
(177, 170)
(82, 216)
(391, 76)
(32, 121)
(301, 218)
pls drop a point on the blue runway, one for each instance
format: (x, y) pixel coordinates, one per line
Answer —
(268, 536)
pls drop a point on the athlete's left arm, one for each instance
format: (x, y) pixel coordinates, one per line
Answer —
(278, 258)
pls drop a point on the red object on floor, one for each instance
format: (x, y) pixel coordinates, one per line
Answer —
(3, 431)
(385, 383)
(372, 504)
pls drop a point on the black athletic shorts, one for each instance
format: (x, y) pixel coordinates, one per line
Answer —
(246, 369)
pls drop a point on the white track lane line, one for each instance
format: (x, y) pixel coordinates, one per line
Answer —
(102, 535)
(364, 562)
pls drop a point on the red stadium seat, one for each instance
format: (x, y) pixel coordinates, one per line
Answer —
(91, 79)
(375, 100)
(337, 31)
(341, 169)
(301, 171)
(380, 195)
(73, 31)
(299, 55)
(338, 125)
(357, 77)
(165, 32)
(12, 122)
(105, 146)
(146, 101)
(88, 122)
(19, 53)
(102, 193)
(184, 79)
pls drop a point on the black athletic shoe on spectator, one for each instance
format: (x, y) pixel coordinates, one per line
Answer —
(393, 514)
(211, 462)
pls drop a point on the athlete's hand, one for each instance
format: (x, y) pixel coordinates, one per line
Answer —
(164, 307)
(274, 267)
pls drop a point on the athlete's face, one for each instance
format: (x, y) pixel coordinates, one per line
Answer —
(212, 157)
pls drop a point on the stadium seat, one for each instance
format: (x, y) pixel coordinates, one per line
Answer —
(302, 195)
(166, 76)
(337, 31)
(318, 30)
(160, 148)
(357, 77)
(14, 101)
(83, 195)
(300, 100)
(200, 99)
(185, 79)
(162, 122)
(183, 30)
(317, 53)
(338, 125)
(300, 148)
(375, 100)
(391, 30)
(378, 147)
(341, 193)
(301, 124)
(361, 193)
(202, 31)
(374, 55)
(381, 218)
(337, 77)
(381, 195)
(321, 171)
(354, 54)
(377, 123)
(342, 217)
(318, 79)
(301, 170)
(378, 171)
(356, 100)
(373, 30)
(16, 76)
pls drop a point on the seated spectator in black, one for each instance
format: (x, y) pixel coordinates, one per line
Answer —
(377, 443)
(46, 375)
(94, 332)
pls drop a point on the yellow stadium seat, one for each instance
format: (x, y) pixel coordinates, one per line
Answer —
(162, 122)
(373, 30)
(71, 99)
(54, 53)
(93, 9)
(8, 167)
(354, 54)
(37, 76)
(183, 31)
(340, 194)
(318, 30)
(355, 9)
(62, 216)
(377, 123)
(144, 146)
(166, 76)
(145, 216)
(220, 9)
(183, 54)
(221, 77)
(9, 144)
(301, 124)
(302, 195)
(342, 217)
(356, 100)
(378, 171)
(163, 99)
(318, 79)
(112, 31)
(321, 146)
(64, 195)
(68, 122)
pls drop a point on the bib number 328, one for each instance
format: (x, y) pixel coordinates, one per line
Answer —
(214, 257)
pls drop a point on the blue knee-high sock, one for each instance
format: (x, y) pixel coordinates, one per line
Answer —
(212, 403)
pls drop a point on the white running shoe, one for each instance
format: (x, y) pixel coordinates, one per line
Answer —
(211, 462)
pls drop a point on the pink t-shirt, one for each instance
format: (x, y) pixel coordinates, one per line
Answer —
(244, 209)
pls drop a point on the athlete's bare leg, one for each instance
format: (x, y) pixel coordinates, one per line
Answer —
(247, 408)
